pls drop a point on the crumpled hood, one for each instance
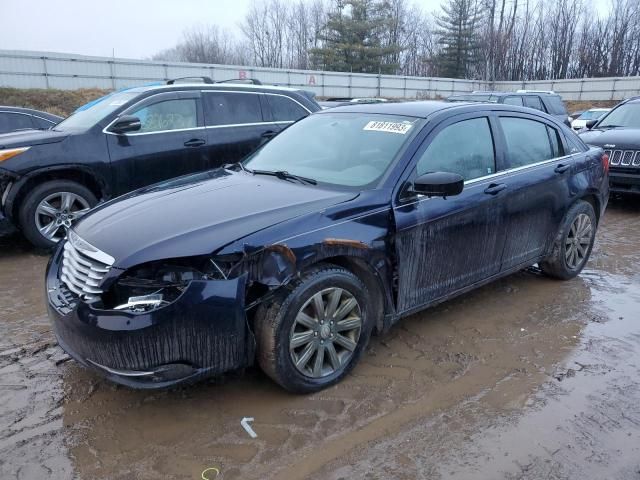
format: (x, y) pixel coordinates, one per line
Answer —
(197, 215)
(25, 138)
(613, 138)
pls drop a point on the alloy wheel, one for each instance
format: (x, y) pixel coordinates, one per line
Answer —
(325, 332)
(57, 212)
(578, 241)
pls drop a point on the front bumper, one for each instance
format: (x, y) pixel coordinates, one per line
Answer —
(624, 182)
(202, 333)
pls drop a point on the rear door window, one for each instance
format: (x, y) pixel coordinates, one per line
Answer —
(284, 109)
(527, 141)
(472, 158)
(533, 101)
(231, 108)
(513, 100)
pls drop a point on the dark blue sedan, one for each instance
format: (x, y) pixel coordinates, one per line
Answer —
(343, 224)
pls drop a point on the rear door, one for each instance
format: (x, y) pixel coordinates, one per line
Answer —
(170, 143)
(446, 244)
(236, 125)
(538, 174)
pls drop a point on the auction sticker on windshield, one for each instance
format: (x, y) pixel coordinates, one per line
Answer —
(390, 127)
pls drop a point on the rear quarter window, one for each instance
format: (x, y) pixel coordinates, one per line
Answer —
(555, 105)
(284, 109)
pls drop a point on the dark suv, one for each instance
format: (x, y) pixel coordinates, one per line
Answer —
(548, 102)
(133, 138)
(618, 133)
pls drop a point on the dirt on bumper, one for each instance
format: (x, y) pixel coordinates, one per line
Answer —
(202, 333)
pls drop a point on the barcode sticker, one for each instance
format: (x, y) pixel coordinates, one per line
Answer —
(389, 127)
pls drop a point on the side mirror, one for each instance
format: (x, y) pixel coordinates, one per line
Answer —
(126, 123)
(438, 184)
(590, 124)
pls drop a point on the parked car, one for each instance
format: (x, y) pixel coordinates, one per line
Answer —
(618, 133)
(592, 114)
(133, 138)
(17, 118)
(342, 101)
(575, 115)
(548, 102)
(344, 223)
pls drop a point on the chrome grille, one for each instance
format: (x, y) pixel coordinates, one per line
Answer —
(83, 267)
(624, 158)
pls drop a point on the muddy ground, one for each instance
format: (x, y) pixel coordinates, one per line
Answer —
(527, 378)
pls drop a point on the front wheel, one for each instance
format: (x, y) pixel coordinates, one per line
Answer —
(310, 337)
(51, 208)
(573, 243)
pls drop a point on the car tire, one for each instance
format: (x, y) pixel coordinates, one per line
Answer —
(282, 324)
(573, 243)
(57, 191)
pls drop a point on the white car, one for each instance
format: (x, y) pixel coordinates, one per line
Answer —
(591, 114)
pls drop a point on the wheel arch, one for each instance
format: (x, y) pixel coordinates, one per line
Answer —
(591, 198)
(372, 280)
(84, 177)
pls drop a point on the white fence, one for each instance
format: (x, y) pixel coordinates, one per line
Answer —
(23, 69)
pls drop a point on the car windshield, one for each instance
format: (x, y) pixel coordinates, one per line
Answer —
(592, 115)
(627, 115)
(341, 149)
(86, 118)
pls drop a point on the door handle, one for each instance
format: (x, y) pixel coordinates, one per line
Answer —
(194, 142)
(562, 168)
(495, 188)
(269, 134)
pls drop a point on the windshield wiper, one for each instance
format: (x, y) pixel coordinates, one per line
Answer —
(610, 126)
(284, 175)
(237, 164)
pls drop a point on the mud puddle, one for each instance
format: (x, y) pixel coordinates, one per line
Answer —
(485, 386)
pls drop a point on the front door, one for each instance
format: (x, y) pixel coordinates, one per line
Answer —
(171, 142)
(446, 244)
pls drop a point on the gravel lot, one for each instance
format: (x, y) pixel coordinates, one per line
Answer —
(527, 378)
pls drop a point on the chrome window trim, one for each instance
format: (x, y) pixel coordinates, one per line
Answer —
(289, 98)
(29, 115)
(255, 123)
(142, 100)
(106, 131)
(501, 174)
(151, 133)
(231, 125)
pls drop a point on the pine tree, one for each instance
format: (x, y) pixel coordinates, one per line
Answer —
(458, 36)
(352, 41)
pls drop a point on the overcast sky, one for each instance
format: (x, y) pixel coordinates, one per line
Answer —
(128, 28)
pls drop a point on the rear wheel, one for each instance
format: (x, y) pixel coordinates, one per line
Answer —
(51, 208)
(310, 337)
(573, 243)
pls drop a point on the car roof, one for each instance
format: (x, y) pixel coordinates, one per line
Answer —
(426, 108)
(420, 109)
(213, 86)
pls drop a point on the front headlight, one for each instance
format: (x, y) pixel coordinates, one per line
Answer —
(8, 153)
(157, 284)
